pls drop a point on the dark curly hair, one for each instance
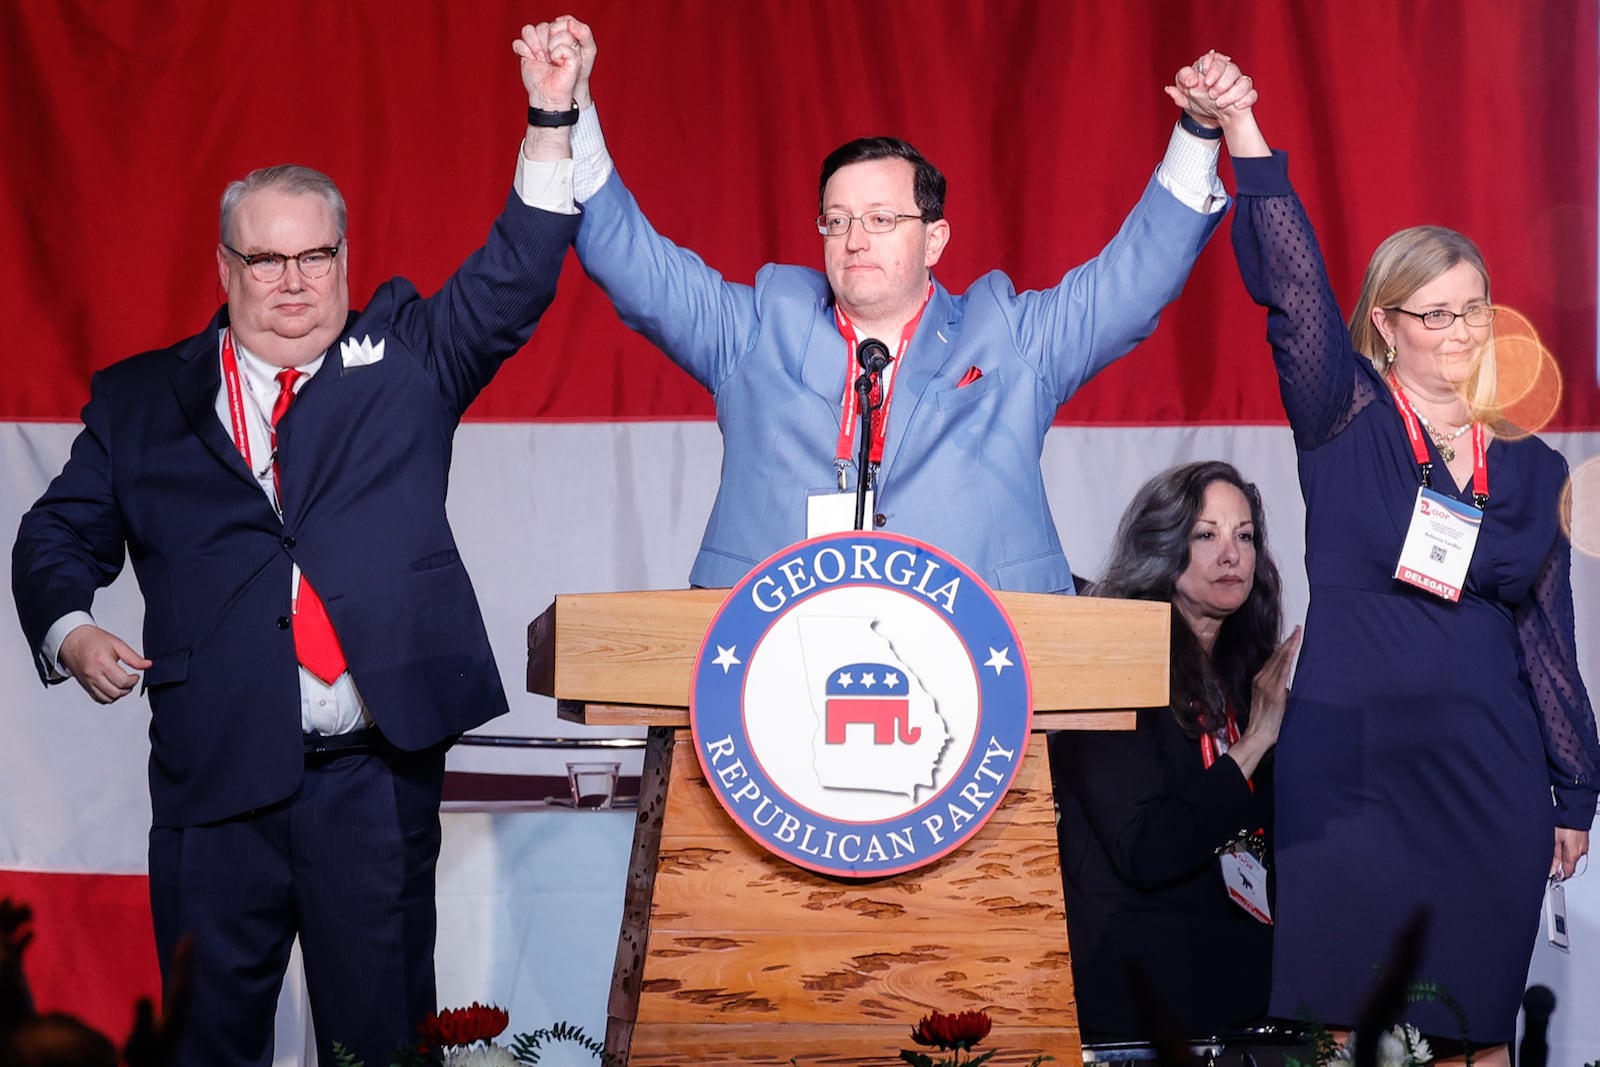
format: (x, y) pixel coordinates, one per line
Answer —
(1151, 552)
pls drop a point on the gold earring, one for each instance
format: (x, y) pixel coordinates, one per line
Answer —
(1388, 358)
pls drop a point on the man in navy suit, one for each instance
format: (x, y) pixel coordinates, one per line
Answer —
(312, 643)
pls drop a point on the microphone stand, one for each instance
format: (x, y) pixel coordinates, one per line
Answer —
(864, 452)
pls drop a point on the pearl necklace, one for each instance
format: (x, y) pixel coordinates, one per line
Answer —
(1447, 450)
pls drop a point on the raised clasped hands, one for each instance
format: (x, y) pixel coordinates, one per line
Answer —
(1213, 90)
(556, 58)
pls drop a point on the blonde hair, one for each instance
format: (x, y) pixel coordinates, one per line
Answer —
(1404, 263)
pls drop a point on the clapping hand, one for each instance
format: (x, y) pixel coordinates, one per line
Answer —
(1271, 692)
(1268, 699)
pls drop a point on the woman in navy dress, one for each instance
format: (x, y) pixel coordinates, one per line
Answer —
(1437, 756)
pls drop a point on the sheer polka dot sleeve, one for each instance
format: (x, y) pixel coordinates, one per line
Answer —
(1545, 633)
(1283, 271)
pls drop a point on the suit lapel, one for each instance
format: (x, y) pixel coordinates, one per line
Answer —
(305, 433)
(317, 392)
(824, 359)
(196, 378)
(924, 358)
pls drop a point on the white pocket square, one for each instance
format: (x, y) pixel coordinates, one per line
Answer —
(361, 353)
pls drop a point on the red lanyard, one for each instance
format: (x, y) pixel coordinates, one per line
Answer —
(845, 452)
(238, 416)
(236, 402)
(1208, 744)
(1419, 447)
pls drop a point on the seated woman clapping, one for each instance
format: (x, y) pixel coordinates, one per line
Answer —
(1165, 830)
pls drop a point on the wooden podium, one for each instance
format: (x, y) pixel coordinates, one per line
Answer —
(731, 955)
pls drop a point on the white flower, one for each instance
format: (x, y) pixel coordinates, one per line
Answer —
(1392, 1052)
(1393, 1049)
(479, 1056)
(1420, 1051)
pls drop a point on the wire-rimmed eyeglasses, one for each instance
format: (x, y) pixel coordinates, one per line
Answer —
(1441, 319)
(837, 223)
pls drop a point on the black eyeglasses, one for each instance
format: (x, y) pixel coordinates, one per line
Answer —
(1440, 319)
(837, 223)
(269, 266)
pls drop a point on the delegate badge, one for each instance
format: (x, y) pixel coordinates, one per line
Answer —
(860, 704)
(1439, 544)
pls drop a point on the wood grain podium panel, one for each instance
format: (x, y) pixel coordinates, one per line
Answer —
(712, 876)
(727, 947)
(819, 975)
(816, 1045)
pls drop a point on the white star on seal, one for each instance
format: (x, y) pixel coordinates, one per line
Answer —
(845, 681)
(726, 659)
(998, 660)
(891, 679)
(869, 680)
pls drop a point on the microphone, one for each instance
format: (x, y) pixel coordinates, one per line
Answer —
(873, 355)
(1538, 1003)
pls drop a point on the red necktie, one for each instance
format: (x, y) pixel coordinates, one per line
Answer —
(315, 643)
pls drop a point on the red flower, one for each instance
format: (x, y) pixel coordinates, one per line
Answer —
(463, 1026)
(960, 1030)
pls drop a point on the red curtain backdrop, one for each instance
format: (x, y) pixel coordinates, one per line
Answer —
(123, 121)
(120, 123)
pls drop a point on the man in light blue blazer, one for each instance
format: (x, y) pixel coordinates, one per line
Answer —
(974, 379)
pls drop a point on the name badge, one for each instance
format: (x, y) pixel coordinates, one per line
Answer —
(828, 512)
(1439, 545)
(1555, 914)
(1246, 880)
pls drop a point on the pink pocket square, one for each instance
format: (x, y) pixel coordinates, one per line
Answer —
(972, 375)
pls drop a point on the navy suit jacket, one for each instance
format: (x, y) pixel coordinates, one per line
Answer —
(365, 460)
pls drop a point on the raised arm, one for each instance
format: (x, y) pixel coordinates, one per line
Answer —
(1102, 309)
(662, 290)
(1282, 267)
(487, 310)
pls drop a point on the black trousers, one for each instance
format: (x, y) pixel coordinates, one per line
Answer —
(347, 864)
